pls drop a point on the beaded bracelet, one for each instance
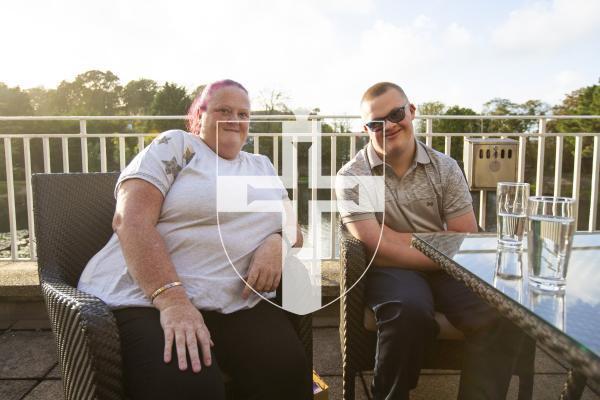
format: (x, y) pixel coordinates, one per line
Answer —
(161, 289)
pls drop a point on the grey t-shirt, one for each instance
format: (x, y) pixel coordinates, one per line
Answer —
(431, 191)
(184, 169)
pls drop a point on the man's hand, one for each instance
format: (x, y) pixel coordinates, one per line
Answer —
(183, 323)
(264, 273)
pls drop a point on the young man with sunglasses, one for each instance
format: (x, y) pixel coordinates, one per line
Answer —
(425, 191)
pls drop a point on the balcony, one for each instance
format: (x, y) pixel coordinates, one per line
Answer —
(28, 366)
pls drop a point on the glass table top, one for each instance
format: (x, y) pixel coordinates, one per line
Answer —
(576, 312)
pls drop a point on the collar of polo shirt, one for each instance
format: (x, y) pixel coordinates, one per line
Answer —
(421, 157)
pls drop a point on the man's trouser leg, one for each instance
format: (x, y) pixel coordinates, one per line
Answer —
(404, 311)
(492, 343)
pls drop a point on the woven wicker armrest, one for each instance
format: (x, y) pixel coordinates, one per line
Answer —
(353, 260)
(87, 340)
(358, 344)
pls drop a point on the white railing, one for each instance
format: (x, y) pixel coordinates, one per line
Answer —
(540, 135)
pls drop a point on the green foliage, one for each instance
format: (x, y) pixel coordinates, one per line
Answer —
(91, 93)
(171, 99)
(498, 106)
(101, 93)
(138, 96)
(430, 108)
(448, 125)
(43, 101)
(14, 101)
(198, 91)
(584, 101)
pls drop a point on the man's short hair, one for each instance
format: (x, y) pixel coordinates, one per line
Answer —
(380, 88)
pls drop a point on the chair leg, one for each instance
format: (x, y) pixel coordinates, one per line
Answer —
(348, 377)
(365, 386)
(574, 387)
(525, 387)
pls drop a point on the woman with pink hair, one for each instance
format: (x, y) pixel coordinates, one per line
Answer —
(183, 313)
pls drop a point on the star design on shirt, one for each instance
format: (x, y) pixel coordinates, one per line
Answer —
(163, 140)
(171, 167)
(188, 155)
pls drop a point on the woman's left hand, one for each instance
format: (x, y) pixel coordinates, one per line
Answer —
(264, 273)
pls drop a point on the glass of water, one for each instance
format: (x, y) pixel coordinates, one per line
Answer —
(511, 199)
(550, 237)
(509, 263)
(548, 305)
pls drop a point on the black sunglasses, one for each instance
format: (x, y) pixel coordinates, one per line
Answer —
(396, 115)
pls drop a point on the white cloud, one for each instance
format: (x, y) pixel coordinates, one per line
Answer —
(543, 26)
(564, 82)
(423, 22)
(320, 53)
(403, 48)
(457, 36)
(347, 6)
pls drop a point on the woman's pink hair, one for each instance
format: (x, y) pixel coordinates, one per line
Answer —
(200, 103)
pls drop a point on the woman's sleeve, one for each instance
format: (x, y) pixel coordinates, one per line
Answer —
(160, 162)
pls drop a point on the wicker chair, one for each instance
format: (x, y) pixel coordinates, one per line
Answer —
(73, 221)
(358, 332)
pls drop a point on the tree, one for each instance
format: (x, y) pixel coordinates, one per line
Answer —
(43, 100)
(14, 101)
(91, 93)
(584, 101)
(274, 100)
(448, 125)
(457, 126)
(138, 96)
(430, 108)
(171, 99)
(198, 91)
(499, 106)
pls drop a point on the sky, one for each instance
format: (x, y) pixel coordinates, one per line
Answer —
(319, 53)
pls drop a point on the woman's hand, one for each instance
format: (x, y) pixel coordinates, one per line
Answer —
(183, 324)
(264, 273)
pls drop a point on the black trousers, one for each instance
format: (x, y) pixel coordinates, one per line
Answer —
(404, 302)
(257, 348)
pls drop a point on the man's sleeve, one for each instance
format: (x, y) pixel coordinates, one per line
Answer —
(457, 198)
(358, 197)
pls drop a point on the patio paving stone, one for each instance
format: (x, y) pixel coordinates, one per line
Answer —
(46, 390)
(31, 324)
(54, 373)
(15, 389)
(26, 354)
(326, 351)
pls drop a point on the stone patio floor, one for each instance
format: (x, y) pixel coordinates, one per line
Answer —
(29, 371)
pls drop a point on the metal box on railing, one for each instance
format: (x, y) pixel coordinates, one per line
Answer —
(489, 161)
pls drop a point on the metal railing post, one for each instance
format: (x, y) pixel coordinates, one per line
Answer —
(29, 194)
(539, 179)
(84, 147)
(10, 192)
(558, 166)
(577, 175)
(595, 175)
(428, 131)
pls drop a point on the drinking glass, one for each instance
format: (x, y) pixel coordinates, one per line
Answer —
(550, 237)
(509, 263)
(511, 199)
(548, 305)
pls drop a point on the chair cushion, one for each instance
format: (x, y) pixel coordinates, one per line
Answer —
(447, 330)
